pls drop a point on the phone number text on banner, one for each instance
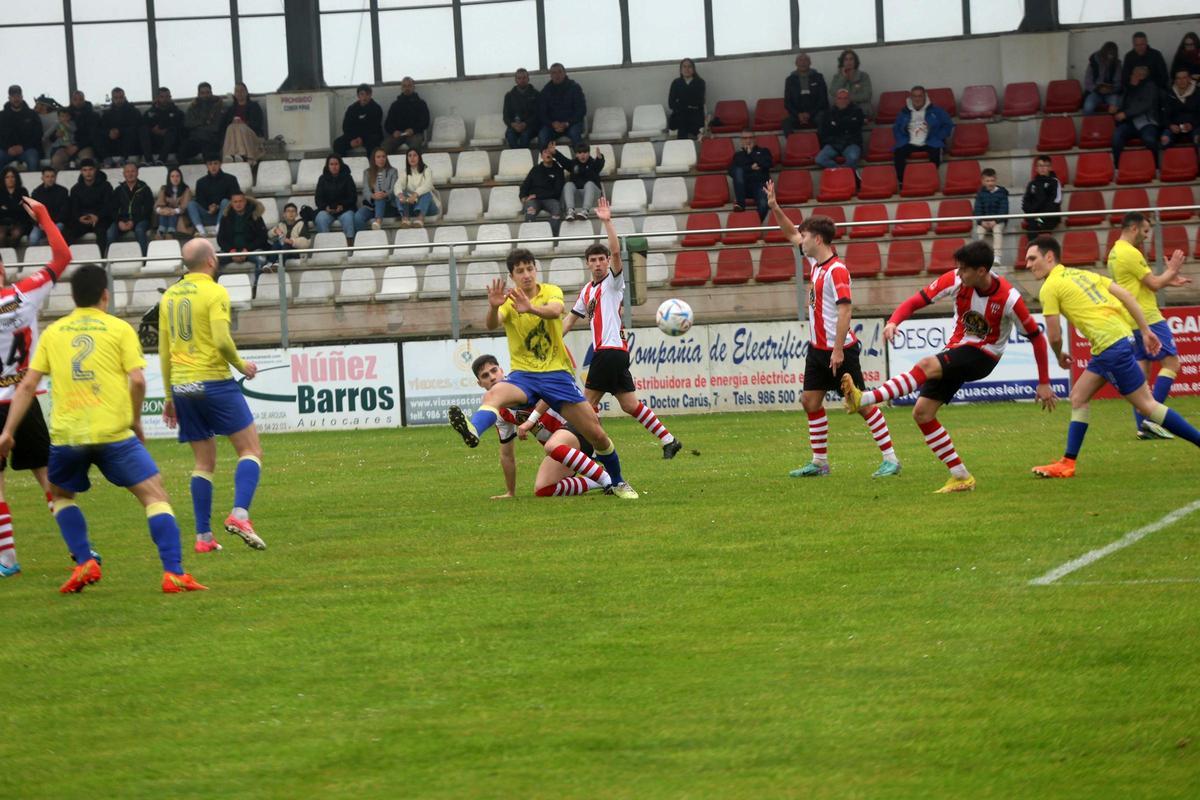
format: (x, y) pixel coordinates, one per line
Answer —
(1184, 322)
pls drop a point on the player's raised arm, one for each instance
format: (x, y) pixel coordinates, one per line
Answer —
(496, 298)
(60, 252)
(786, 225)
(604, 214)
(553, 309)
(1169, 276)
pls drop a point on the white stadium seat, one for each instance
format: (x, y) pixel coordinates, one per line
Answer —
(120, 297)
(608, 124)
(448, 132)
(370, 238)
(479, 275)
(657, 272)
(316, 286)
(610, 159)
(86, 254)
(566, 273)
(270, 211)
(306, 174)
(465, 205)
(239, 170)
(331, 239)
(670, 194)
(435, 281)
(60, 301)
(536, 230)
(489, 233)
(443, 169)
(165, 253)
(474, 166)
(238, 286)
(117, 250)
(357, 165)
(38, 256)
(399, 283)
(514, 165)
(580, 227)
(268, 289)
(411, 236)
(489, 130)
(637, 158)
(450, 233)
(191, 174)
(678, 155)
(504, 202)
(356, 284)
(628, 197)
(273, 176)
(154, 177)
(649, 121)
(146, 293)
(660, 224)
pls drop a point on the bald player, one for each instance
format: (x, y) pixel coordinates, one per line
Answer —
(196, 351)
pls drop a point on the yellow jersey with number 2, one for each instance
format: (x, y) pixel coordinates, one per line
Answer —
(185, 318)
(1083, 298)
(536, 344)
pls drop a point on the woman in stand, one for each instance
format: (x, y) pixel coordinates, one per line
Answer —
(414, 191)
(171, 206)
(1102, 81)
(853, 80)
(378, 185)
(242, 123)
(686, 101)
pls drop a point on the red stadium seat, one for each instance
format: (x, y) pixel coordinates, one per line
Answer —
(1058, 165)
(1134, 199)
(878, 182)
(734, 266)
(771, 142)
(913, 209)
(862, 259)
(1113, 235)
(890, 106)
(954, 208)
(1022, 247)
(794, 187)
(905, 257)
(978, 102)
(800, 149)
(775, 236)
(1178, 165)
(943, 99)
(941, 259)
(836, 185)
(692, 269)
(970, 139)
(1021, 99)
(741, 219)
(733, 116)
(715, 155)
(1085, 201)
(768, 115)
(1080, 248)
(962, 177)
(776, 264)
(1094, 169)
(1063, 97)
(920, 180)
(710, 191)
(1174, 238)
(1175, 196)
(870, 212)
(1096, 132)
(1056, 133)
(835, 213)
(699, 222)
(1196, 252)
(880, 144)
(1137, 166)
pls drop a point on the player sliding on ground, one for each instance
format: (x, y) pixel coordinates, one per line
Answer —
(531, 313)
(97, 386)
(1094, 306)
(195, 352)
(833, 348)
(567, 468)
(986, 306)
(600, 303)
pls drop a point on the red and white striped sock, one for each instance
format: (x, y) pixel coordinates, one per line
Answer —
(880, 433)
(8, 553)
(939, 442)
(818, 435)
(907, 383)
(650, 422)
(568, 487)
(576, 461)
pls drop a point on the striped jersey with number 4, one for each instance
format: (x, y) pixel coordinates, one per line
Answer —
(830, 285)
(600, 304)
(19, 307)
(986, 320)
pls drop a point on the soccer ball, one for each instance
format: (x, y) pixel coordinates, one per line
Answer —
(674, 317)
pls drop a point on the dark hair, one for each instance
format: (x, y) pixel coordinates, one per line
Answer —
(87, 162)
(597, 249)
(50, 169)
(821, 226)
(478, 364)
(842, 59)
(987, 172)
(1140, 35)
(1109, 52)
(519, 255)
(362, 87)
(15, 89)
(559, 65)
(203, 85)
(581, 148)
(176, 191)
(116, 89)
(17, 175)
(695, 72)
(1132, 218)
(88, 284)
(1048, 244)
(977, 254)
(1043, 159)
(162, 89)
(331, 158)
(286, 206)
(420, 162)
(917, 88)
(1179, 50)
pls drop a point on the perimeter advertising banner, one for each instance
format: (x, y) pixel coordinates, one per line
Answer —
(1184, 322)
(1014, 378)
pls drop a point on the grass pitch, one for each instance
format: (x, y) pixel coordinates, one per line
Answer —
(734, 633)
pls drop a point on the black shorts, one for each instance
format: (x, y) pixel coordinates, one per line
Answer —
(609, 372)
(960, 365)
(585, 446)
(31, 442)
(819, 377)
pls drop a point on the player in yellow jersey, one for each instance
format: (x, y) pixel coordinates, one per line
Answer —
(1099, 309)
(531, 313)
(97, 385)
(196, 350)
(1129, 269)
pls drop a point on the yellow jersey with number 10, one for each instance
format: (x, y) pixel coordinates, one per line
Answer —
(185, 318)
(1083, 298)
(536, 344)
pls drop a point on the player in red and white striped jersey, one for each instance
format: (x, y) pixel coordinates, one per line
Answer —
(833, 349)
(986, 307)
(600, 303)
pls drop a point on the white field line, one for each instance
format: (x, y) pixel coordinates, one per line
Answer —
(1135, 582)
(1120, 544)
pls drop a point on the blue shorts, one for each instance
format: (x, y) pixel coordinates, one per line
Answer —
(1163, 331)
(557, 388)
(124, 463)
(210, 408)
(1118, 366)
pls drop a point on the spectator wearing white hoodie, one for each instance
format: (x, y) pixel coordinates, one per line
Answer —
(921, 127)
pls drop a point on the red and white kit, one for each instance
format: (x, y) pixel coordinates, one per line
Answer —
(20, 304)
(600, 304)
(984, 321)
(511, 419)
(830, 284)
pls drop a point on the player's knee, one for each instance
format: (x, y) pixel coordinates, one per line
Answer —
(929, 365)
(922, 415)
(629, 404)
(811, 401)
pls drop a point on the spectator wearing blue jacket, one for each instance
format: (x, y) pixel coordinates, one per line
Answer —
(990, 200)
(561, 108)
(921, 127)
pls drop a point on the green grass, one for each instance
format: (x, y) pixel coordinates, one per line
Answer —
(734, 633)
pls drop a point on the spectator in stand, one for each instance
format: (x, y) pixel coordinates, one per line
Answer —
(290, 233)
(921, 127)
(1181, 111)
(992, 198)
(750, 170)
(12, 226)
(407, 119)
(336, 197)
(686, 102)
(805, 95)
(91, 205)
(414, 191)
(133, 204)
(20, 133)
(362, 124)
(854, 80)
(213, 193)
(162, 129)
(86, 123)
(202, 125)
(542, 189)
(171, 206)
(378, 192)
(1102, 81)
(561, 108)
(1043, 195)
(57, 201)
(582, 175)
(1139, 114)
(243, 128)
(1187, 56)
(1143, 55)
(840, 132)
(242, 230)
(119, 127)
(520, 111)
(59, 141)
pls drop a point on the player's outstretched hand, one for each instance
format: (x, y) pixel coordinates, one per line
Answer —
(250, 369)
(496, 293)
(772, 203)
(1046, 396)
(1064, 360)
(504, 496)
(169, 417)
(1180, 280)
(1153, 345)
(520, 301)
(603, 210)
(6, 444)
(31, 207)
(1175, 262)
(889, 331)
(523, 430)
